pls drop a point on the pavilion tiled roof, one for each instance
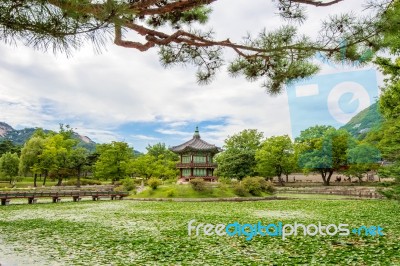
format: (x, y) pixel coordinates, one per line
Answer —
(195, 144)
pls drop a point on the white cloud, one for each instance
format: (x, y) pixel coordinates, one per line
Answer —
(99, 92)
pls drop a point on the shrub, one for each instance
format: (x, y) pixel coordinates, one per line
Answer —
(198, 184)
(240, 190)
(118, 189)
(154, 182)
(253, 185)
(224, 180)
(128, 184)
(170, 192)
(266, 186)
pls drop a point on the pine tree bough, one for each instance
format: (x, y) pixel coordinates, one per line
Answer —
(279, 57)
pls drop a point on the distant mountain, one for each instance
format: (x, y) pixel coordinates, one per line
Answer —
(21, 136)
(364, 121)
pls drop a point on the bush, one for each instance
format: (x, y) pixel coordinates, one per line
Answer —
(154, 182)
(198, 184)
(266, 186)
(225, 180)
(253, 185)
(128, 184)
(240, 190)
(170, 192)
(119, 189)
(256, 185)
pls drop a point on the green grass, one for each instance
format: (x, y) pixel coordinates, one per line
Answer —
(155, 233)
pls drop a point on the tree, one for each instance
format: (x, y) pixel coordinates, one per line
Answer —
(56, 155)
(30, 157)
(78, 158)
(8, 146)
(276, 157)
(158, 162)
(362, 159)
(113, 161)
(238, 158)
(278, 56)
(324, 150)
(9, 165)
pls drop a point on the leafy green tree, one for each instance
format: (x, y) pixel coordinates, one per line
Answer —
(324, 150)
(276, 157)
(30, 158)
(158, 162)
(238, 158)
(9, 165)
(113, 161)
(78, 158)
(277, 56)
(8, 146)
(362, 159)
(56, 155)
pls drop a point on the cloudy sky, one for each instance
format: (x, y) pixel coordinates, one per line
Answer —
(125, 95)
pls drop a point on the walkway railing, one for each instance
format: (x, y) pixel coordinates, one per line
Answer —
(56, 196)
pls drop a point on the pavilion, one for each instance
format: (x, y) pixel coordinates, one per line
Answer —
(196, 158)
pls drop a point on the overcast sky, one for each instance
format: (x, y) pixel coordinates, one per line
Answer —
(125, 95)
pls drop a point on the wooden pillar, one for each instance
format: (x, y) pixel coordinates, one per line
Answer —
(5, 201)
(32, 200)
(76, 198)
(56, 199)
(181, 172)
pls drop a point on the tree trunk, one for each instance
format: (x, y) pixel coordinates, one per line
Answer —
(328, 179)
(59, 182)
(44, 179)
(78, 181)
(34, 180)
(280, 179)
(287, 178)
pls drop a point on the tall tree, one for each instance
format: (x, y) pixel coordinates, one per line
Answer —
(362, 159)
(30, 157)
(113, 161)
(277, 56)
(8, 146)
(78, 158)
(9, 165)
(324, 150)
(276, 157)
(158, 162)
(238, 158)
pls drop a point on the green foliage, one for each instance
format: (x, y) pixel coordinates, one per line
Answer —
(154, 183)
(128, 184)
(238, 158)
(159, 162)
(276, 157)
(254, 185)
(362, 159)
(9, 163)
(93, 228)
(8, 146)
(323, 149)
(240, 190)
(365, 121)
(198, 184)
(114, 161)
